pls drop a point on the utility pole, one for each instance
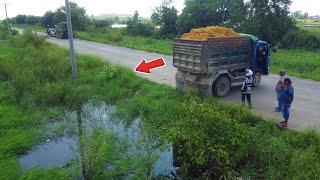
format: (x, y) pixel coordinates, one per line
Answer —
(70, 36)
(7, 19)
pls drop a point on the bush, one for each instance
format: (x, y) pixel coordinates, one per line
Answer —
(139, 29)
(31, 37)
(114, 35)
(208, 142)
(301, 39)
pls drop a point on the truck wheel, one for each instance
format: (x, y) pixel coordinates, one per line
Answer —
(222, 86)
(256, 79)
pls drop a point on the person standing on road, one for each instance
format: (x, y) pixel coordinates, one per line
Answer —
(280, 91)
(246, 88)
(288, 98)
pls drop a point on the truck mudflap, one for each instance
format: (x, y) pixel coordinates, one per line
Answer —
(187, 82)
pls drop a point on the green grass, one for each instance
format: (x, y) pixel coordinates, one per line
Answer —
(299, 63)
(163, 46)
(210, 139)
(33, 27)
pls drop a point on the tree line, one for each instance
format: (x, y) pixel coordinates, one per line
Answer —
(270, 20)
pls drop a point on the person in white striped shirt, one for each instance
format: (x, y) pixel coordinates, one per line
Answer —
(246, 88)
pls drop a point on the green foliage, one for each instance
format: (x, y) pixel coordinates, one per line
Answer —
(108, 72)
(114, 35)
(44, 174)
(299, 63)
(163, 46)
(195, 14)
(210, 140)
(301, 39)
(166, 17)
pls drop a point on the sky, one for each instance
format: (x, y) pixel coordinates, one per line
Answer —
(97, 7)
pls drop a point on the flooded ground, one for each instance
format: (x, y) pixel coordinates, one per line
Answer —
(59, 152)
(55, 153)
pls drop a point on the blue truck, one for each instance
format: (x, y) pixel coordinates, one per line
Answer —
(215, 65)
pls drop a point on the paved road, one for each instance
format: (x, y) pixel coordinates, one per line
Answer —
(305, 109)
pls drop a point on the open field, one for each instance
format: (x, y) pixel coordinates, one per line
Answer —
(36, 88)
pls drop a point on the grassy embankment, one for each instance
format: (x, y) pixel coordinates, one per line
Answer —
(210, 139)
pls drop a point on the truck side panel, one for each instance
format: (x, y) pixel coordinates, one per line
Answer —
(228, 54)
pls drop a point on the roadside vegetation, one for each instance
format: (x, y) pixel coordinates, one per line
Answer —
(209, 139)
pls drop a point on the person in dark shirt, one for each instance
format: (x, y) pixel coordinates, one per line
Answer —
(288, 99)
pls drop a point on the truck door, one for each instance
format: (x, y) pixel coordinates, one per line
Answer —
(262, 60)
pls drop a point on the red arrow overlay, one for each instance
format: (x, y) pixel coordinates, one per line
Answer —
(145, 67)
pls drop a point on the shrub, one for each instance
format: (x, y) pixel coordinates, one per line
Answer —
(108, 72)
(139, 29)
(301, 39)
(115, 35)
(31, 37)
(208, 143)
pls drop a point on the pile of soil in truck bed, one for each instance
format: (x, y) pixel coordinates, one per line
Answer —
(202, 34)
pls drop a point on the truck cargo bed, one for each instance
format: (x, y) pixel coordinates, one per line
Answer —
(212, 55)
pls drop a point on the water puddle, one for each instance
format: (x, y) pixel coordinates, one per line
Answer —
(58, 153)
(55, 153)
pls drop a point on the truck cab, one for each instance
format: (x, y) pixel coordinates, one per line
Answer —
(260, 60)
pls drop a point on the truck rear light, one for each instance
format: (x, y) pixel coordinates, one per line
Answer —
(203, 75)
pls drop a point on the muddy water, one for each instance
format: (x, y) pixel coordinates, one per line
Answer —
(57, 153)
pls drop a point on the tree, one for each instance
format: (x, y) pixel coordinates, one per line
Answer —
(135, 17)
(201, 13)
(166, 17)
(78, 16)
(20, 19)
(48, 19)
(32, 20)
(136, 28)
(268, 19)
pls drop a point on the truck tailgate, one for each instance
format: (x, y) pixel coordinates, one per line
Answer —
(188, 55)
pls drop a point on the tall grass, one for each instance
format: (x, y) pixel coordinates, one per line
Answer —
(299, 63)
(163, 46)
(301, 39)
(210, 140)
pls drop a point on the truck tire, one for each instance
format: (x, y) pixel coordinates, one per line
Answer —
(256, 79)
(221, 87)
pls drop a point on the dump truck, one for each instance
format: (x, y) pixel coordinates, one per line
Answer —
(60, 30)
(215, 65)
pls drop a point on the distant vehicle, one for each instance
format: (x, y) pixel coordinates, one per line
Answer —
(60, 31)
(217, 64)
